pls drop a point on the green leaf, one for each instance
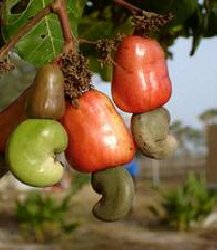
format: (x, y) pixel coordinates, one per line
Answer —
(95, 29)
(44, 42)
(181, 9)
(191, 202)
(105, 70)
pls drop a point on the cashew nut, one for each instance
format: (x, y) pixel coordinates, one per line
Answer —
(151, 133)
(117, 189)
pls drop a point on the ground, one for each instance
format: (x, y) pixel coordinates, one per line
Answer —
(137, 231)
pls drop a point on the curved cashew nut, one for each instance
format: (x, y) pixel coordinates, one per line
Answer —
(162, 148)
(117, 189)
(151, 133)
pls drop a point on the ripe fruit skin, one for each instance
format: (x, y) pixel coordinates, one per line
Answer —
(11, 117)
(98, 137)
(46, 98)
(30, 152)
(140, 78)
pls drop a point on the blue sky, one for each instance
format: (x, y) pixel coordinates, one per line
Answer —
(194, 81)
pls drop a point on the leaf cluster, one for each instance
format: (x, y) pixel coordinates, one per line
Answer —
(93, 20)
(43, 217)
(99, 20)
(44, 42)
(186, 205)
(191, 18)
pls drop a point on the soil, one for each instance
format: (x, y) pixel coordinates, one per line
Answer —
(137, 231)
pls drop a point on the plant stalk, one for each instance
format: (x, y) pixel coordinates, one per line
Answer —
(59, 8)
(129, 6)
(133, 9)
(24, 30)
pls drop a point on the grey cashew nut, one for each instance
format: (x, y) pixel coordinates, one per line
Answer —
(151, 133)
(117, 189)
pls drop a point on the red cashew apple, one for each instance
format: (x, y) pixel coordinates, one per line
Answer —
(140, 77)
(98, 138)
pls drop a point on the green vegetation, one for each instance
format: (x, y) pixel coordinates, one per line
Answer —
(186, 205)
(44, 217)
(94, 20)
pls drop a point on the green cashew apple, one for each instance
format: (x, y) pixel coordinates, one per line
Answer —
(31, 149)
(117, 189)
(151, 133)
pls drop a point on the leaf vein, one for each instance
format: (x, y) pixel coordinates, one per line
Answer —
(35, 49)
(49, 32)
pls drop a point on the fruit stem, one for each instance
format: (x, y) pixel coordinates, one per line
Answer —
(59, 8)
(130, 7)
(24, 30)
(83, 41)
(145, 22)
(133, 9)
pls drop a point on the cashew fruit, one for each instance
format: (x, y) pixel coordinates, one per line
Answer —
(31, 149)
(98, 137)
(151, 133)
(117, 190)
(46, 98)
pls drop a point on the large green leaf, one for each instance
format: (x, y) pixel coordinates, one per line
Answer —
(44, 42)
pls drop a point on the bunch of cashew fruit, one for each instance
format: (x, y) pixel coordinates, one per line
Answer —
(92, 134)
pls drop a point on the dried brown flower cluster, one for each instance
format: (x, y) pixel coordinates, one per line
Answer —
(147, 22)
(77, 76)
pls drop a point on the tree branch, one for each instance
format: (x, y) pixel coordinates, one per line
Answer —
(133, 9)
(59, 8)
(24, 30)
(145, 22)
(128, 6)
